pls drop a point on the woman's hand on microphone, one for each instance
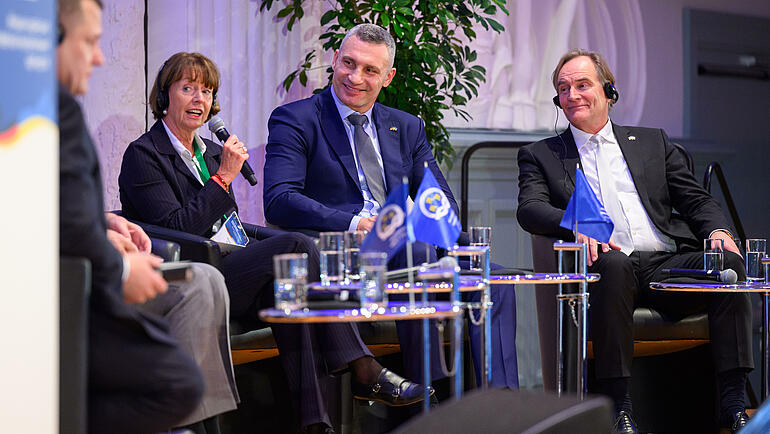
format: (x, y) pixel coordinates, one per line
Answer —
(234, 153)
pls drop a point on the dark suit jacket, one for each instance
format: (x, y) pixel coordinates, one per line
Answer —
(677, 205)
(156, 187)
(82, 226)
(311, 180)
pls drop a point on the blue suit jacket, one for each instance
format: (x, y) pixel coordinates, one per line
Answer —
(311, 180)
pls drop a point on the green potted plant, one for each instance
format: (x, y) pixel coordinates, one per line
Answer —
(437, 70)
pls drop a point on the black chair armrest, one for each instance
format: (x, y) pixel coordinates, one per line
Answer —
(74, 291)
(261, 232)
(192, 247)
(168, 250)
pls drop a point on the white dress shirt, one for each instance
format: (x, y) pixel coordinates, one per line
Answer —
(371, 206)
(189, 159)
(633, 228)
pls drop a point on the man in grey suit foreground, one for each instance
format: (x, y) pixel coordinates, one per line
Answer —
(141, 377)
(661, 215)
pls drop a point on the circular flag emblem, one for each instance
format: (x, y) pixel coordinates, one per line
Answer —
(433, 203)
(391, 218)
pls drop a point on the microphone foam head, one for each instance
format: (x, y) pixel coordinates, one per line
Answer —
(729, 276)
(448, 262)
(215, 124)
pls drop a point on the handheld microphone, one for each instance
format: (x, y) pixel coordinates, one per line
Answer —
(726, 276)
(217, 126)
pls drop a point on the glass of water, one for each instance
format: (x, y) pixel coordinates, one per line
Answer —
(373, 268)
(332, 266)
(290, 280)
(755, 250)
(479, 236)
(352, 244)
(713, 254)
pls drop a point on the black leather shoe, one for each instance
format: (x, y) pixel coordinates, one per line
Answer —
(624, 424)
(741, 419)
(391, 389)
(318, 428)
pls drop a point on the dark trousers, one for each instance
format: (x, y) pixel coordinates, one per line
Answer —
(625, 283)
(505, 367)
(307, 351)
(137, 383)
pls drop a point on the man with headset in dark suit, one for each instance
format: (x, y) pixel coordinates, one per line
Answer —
(139, 380)
(661, 216)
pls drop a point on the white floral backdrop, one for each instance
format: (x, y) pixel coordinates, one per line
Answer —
(254, 52)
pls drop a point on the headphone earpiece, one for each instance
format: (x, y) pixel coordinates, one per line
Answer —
(610, 92)
(556, 101)
(59, 33)
(162, 98)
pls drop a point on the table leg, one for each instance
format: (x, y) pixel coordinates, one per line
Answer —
(486, 331)
(426, 362)
(582, 327)
(559, 333)
(458, 338)
(765, 345)
(458, 363)
(582, 379)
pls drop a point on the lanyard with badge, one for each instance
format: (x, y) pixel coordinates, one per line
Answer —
(231, 232)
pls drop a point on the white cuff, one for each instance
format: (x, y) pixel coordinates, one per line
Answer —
(126, 269)
(711, 234)
(354, 223)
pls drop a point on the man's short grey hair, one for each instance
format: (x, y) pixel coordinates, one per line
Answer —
(374, 34)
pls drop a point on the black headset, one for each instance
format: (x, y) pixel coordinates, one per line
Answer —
(59, 33)
(161, 98)
(609, 91)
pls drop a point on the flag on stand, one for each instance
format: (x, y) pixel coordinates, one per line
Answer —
(432, 219)
(585, 214)
(389, 232)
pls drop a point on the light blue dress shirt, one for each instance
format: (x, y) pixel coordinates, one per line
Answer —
(371, 206)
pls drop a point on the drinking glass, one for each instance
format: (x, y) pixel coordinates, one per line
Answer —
(290, 280)
(332, 266)
(352, 244)
(479, 236)
(373, 268)
(755, 250)
(713, 254)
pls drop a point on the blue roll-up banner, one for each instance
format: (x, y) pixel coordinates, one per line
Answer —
(29, 215)
(27, 44)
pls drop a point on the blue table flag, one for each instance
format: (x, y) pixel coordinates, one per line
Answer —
(389, 232)
(585, 211)
(432, 219)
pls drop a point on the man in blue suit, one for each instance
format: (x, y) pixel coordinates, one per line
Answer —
(332, 158)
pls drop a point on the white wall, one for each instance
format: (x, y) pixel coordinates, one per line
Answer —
(114, 106)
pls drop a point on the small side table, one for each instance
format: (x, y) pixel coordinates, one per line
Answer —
(756, 286)
(393, 311)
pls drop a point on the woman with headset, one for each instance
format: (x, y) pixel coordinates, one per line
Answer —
(171, 177)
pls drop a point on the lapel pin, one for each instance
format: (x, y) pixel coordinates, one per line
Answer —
(632, 138)
(394, 129)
